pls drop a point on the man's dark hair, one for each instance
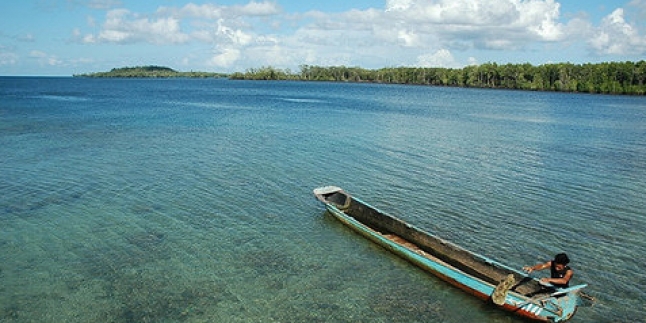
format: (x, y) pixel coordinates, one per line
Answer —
(562, 259)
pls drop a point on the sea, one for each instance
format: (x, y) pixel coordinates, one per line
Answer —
(190, 200)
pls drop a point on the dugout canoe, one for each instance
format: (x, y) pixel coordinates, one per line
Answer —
(507, 288)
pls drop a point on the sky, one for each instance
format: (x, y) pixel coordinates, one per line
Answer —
(66, 37)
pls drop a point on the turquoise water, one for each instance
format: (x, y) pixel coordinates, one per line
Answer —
(190, 200)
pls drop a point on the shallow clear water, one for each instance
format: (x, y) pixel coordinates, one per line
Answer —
(190, 200)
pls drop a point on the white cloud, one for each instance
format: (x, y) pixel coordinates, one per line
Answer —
(441, 58)
(44, 58)
(122, 26)
(480, 20)
(29, 37)
(213, 11)
(253, 8)
(542, 19)
(398, 5)
(409, 38)
(640, 8)
(617, 37)
(103, 4)
(165, 26)
(229, 44)
(91, 21)
(82, 60)
(402, 32)
(37, 54)
(191, 10)
(225, 58)
(7, 56)
(405, 31)
(233, 36)
(92, 4)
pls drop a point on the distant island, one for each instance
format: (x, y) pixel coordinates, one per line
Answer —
(626, 78)
(150, 71)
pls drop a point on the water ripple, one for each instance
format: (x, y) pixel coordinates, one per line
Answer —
(191, 199)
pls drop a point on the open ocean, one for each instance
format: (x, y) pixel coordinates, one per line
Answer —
(190, 200)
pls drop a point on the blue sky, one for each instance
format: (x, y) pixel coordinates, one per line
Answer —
(64, 37)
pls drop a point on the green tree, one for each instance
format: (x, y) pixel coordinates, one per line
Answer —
(614, 78)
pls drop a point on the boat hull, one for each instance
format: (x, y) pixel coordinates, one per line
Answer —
(470, 272)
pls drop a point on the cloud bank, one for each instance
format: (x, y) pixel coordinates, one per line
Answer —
(402, 32)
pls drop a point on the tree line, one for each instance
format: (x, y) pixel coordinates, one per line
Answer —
(604, 78)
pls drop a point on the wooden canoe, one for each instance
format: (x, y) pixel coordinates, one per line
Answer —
(503, 286)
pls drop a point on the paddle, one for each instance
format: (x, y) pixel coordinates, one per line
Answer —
(587, 299)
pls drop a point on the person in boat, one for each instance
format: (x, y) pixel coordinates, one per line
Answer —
(560, 272)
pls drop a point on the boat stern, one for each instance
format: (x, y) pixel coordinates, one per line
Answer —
(553, 309)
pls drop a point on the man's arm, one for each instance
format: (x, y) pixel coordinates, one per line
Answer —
(542, 266)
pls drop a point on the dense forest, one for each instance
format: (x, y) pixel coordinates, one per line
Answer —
(606, 78)
(149, 71)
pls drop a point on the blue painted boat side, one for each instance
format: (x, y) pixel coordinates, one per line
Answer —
(550, 310)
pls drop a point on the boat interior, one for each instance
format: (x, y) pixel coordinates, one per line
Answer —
(433, 247)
